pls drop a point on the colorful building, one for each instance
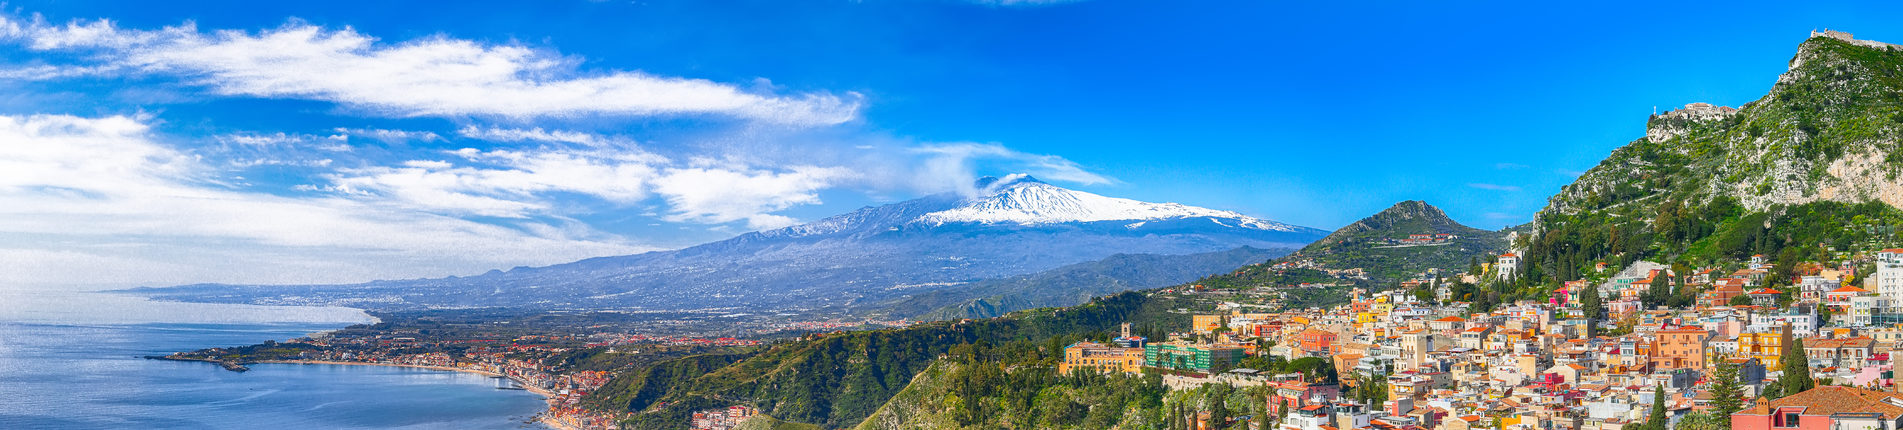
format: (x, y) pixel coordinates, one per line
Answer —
(1101, 358)
(1680, 348)
(1767, 346)
(1191, 357)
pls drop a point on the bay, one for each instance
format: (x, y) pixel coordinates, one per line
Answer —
(73, 361)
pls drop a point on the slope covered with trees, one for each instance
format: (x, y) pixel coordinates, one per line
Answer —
(1073, 284)
(839, 379)
(1813, 162)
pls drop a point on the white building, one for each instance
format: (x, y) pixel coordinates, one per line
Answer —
(1509, 264)
(1863, 309)
(1890, 275)
(1802, 319)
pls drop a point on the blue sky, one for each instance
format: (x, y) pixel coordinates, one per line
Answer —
(174, 142)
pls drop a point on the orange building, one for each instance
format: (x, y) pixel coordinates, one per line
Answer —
(1680, 348)
(1205, 323)
(1102, 358)
(1317, 342)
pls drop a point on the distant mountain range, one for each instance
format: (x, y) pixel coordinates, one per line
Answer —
(1071, 285)
(873, 256)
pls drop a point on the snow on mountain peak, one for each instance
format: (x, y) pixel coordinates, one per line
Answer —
(1021, 199)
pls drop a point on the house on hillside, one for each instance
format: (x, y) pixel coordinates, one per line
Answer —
(1507, 265)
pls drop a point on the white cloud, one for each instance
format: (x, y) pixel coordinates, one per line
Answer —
(519, 186)
(530, 183)
(76, 192)
(390, 136)
(1494, 187)
(278, 139)
(438, 76)
(717, 195)
(45, 72)
(532, 135)
(955, 164)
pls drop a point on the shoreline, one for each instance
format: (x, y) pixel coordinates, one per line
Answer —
(548, 398)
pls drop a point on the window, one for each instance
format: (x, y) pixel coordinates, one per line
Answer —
(1787, 419)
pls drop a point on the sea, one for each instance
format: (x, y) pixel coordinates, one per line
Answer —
(72, 360)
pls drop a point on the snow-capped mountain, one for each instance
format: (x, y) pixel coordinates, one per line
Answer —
(1011, 226)
(1026, 201)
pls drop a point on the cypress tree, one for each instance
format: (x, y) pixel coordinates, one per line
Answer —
(1796, 365)
(1590, 305)
(1657, 420)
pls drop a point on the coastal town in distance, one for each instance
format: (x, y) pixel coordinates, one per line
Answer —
(1409, 358)
(951, 215)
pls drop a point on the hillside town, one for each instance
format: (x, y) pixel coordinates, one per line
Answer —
(531, 363)
(1753, 351)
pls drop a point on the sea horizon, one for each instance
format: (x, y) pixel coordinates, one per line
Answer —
(74, 360)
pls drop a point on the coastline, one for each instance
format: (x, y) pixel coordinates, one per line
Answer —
(548, 397)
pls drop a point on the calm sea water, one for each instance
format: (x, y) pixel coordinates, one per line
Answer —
(71, 361)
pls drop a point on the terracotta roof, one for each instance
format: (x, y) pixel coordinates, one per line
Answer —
(1855, 342)
(1451, 319)
(1765, 291)
(1830, 399)
(1851, 290)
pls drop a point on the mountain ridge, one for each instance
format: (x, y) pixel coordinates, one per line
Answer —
(1378, 250)
(1072, 284)
(1819, 153)
(836, 263)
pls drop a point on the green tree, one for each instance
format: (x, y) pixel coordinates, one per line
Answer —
(1727, 396)
(1740, 300)
(1657, 420)
(1796, 366)
(1590, 304)
(1217, 396)
(1704, 421)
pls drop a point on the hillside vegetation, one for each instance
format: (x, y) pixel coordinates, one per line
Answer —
(1374, 245)
(1073, 284)
(838, 380)
(1813, 162)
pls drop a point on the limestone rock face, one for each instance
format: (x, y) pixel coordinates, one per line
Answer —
(1830, 129)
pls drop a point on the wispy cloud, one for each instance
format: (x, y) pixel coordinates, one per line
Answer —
(714, 195)
(536, 134)
(390, 136)
(437, 76)
(509, 184)
(955, 163)
(76, 191)
(534, 183)
(1494, 187)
